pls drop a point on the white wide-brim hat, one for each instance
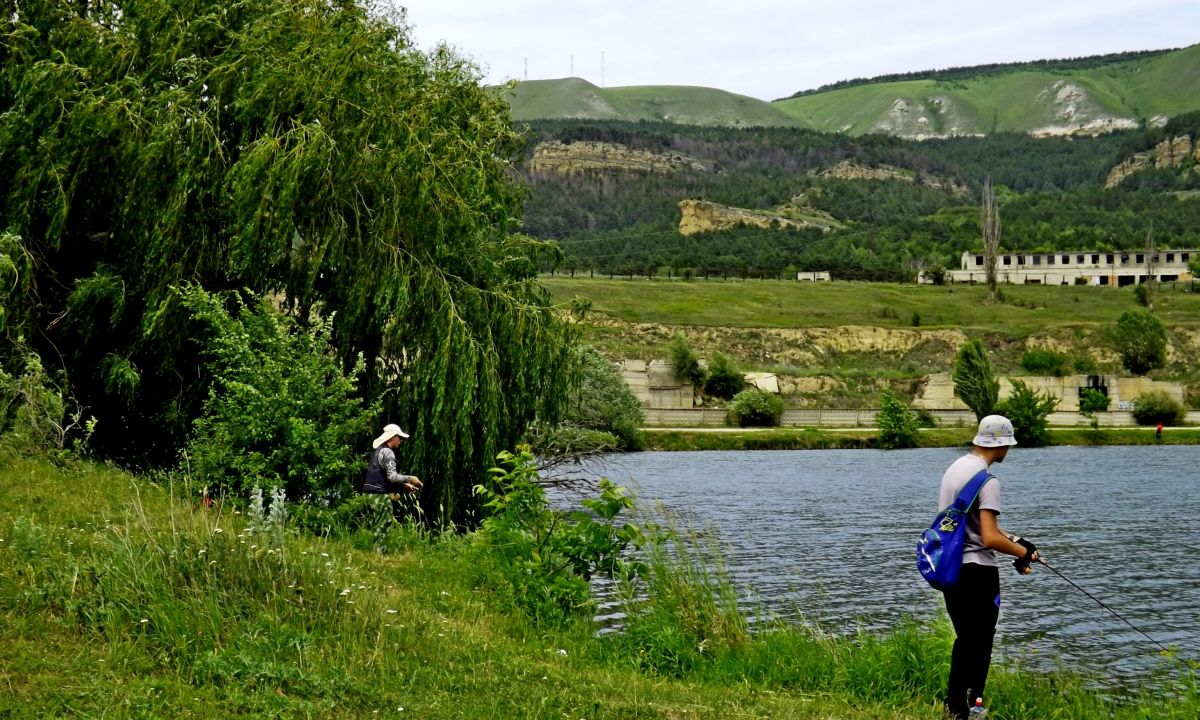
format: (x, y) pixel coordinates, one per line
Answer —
(389, 432)
(995, 431)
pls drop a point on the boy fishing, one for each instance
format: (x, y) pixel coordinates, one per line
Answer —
(973, 603)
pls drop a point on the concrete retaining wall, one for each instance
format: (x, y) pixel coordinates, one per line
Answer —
(711, 417)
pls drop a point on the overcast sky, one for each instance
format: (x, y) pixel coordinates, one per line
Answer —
(772, 48)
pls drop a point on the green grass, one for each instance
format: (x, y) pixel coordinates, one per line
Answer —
(118, 599)
(1027, 309)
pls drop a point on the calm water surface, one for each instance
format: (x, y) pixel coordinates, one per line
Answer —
(828, 536)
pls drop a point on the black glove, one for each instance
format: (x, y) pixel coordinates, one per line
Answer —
(1021, 564)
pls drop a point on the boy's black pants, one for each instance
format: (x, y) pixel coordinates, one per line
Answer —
(974, 607)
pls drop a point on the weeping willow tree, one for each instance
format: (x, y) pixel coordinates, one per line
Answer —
(301, 149)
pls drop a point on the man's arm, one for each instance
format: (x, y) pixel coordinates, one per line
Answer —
(387, 461)
(997, 539)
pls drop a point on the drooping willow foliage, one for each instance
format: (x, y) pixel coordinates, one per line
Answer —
(298, 148)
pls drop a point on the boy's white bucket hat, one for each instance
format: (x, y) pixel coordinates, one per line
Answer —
(389, 432)
(995, 431)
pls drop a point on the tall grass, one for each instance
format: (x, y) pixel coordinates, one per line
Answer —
(119, 601)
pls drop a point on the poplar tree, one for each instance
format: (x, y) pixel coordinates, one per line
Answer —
(301, 149)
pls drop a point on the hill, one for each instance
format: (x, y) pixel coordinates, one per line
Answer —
(1083, 100)
(573, 98)
(1083, 96)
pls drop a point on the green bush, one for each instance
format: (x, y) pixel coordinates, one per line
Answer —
(1155, 406)
(542, 559)
(600, 400)
(1141, 293)
(755, 408)
(1044, 362)
(1141, 340)
(1028, 409)
(975, 382)
(724, 380)
(684, 361)
(281, 412)
(897, 424)
(1092, 401)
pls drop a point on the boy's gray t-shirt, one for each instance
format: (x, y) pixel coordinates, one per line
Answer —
(953, 481)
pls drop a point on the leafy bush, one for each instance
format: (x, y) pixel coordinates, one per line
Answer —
(897, 424)
(1028, 409)
(543, 558)
(975, 382)
(724, 380)
(1044, 362)
(1155, 406)
(37, 416)
(1092, 401)
(684, 361)
(281, 412)
(755, 408)
(1141, 293)
(1141, 340)
(600, 400)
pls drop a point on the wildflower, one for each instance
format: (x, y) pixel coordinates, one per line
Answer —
(562, 652)
(144, 621)
(346, 591)
(217, 530)
(392, 612)
(324, 554)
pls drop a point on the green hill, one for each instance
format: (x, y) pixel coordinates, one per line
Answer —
(1056, 101)
(573, 98)
(1045, 98)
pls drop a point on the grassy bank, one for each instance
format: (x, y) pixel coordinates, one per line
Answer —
(1026, 309)
(814, 439)
(119, 600)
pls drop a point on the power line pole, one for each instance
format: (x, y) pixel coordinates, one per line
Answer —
(602, 68)
(527, 69)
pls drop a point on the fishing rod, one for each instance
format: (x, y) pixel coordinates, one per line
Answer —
(1114, 612)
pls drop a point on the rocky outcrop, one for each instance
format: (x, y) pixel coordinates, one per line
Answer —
(1170, 153)
(799, 347)
(698, 216)
(937, 116)
(584, 156)
(849, 170)
(1075, 112)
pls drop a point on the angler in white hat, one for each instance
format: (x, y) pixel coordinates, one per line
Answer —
(382, 477)
(973, 603)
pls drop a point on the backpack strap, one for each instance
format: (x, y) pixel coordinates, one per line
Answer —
(971, 490)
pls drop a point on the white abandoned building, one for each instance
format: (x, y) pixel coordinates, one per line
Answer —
(1076, 267)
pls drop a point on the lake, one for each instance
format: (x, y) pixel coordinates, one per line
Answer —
(828, 536)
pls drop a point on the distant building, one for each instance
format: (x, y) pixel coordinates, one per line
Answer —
(1073, 267)
(815, 276)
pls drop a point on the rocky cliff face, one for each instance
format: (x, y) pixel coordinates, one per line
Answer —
(578, 157)
(848, 170)
(1170, 153)
(697, 216)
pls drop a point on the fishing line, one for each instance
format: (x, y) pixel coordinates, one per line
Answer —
(1114, 612)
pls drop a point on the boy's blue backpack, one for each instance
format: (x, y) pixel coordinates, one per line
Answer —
(940, 549)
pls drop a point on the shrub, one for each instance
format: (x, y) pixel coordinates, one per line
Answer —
(1044, 362)
(1155, 406)
(897, 424)
(975, 382)
(724, 380)
(281, 412)
(1141, 293)
(600, 400)
(684, 361)
(1141, 340)
(1092, 401)
(544, 558)
(1028, 409)
(755, 408)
